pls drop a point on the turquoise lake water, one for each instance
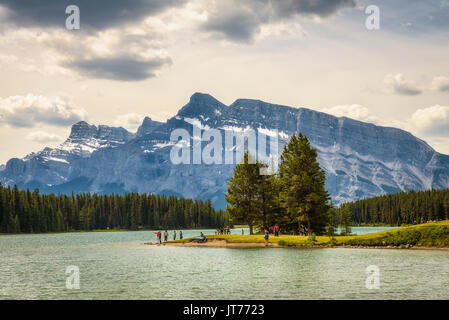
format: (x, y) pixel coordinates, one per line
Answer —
(117, 265)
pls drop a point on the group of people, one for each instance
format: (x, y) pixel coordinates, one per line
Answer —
(271, 230)
(223, 230)
(274, 230)
(423, 221)
(159, 235)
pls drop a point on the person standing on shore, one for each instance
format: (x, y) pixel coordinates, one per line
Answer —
(158, 236)
(180, 234)
(165, 235)
(174, 234)
(243, 232)
(266, 237)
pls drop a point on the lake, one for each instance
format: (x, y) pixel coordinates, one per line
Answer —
(117, 265)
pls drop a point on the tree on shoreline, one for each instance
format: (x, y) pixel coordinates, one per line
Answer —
(296, 198)
(252, 197)
(267, 200)
(332, 221)
(22, 211)
(345, 220)
(401, 208)
(242, 192)
(302, 193)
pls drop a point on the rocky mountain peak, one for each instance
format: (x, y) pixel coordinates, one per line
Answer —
(201, 104)
(147, 127)
(82, 130)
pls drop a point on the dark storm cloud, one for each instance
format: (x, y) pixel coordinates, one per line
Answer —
(321, 8)
(238, 27)
(95, 14)
(119, 68)
(240, 21)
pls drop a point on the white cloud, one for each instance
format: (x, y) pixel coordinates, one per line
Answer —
(104, 54)
(281, 30)
(440, 83)
(430, 124)
(43, 137)
(7, 59)
(29, 110)
(398, 84)
(354, 111)
(432, 121)
(130, 121)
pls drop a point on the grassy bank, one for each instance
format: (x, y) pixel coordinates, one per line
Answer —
(434, 234)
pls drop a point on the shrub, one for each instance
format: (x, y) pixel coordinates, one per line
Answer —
(312, 238)
(282, 242)
(332, 241)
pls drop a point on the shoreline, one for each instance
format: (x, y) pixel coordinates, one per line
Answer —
(428, 236)
(222, 243)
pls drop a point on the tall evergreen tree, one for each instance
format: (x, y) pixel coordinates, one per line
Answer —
(266, 201)
(345, 221)
(303, 195)
(332, 221)
(242, 192)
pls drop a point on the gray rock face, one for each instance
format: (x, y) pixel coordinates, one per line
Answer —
(360, 159)
(54, 168)
(147, 127)
(85, 138)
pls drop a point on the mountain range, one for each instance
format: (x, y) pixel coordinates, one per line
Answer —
(360, 159)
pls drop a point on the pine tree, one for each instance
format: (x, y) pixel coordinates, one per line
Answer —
(85, 217)
(303, 195)
(266, 201)
(332, 221)
(59, 221)
(242, 192)
(345, 221)
(16, 225)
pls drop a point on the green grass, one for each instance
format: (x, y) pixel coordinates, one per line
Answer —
(433, 234)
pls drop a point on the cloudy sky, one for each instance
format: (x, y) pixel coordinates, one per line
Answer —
(135, 58)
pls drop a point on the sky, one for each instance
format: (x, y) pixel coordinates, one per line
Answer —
(136, 58)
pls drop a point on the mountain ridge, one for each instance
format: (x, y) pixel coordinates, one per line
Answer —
(360, 159)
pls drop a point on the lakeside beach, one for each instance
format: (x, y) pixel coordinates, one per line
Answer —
(425, 236)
